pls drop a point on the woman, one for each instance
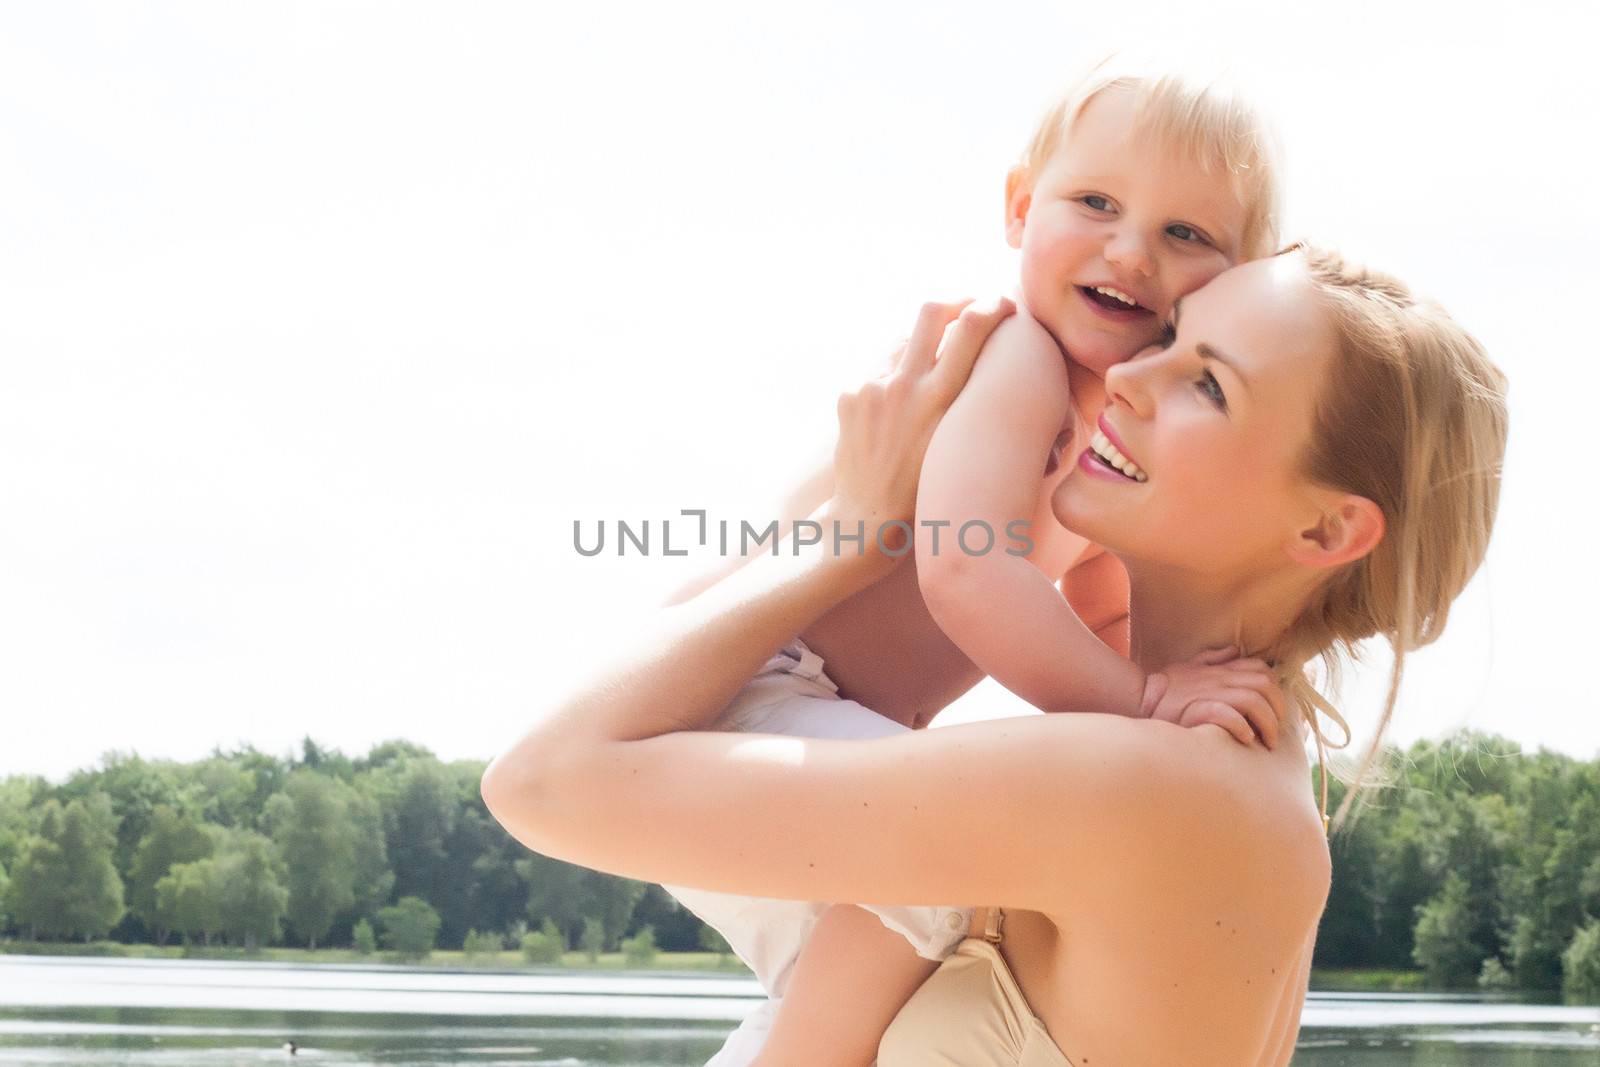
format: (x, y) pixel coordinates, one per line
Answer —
(1158, 884)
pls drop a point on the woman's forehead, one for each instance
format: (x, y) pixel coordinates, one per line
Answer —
(1265, 314)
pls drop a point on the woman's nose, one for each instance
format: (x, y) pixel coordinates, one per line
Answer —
(1127, 383)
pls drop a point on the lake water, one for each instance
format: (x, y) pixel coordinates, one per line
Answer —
(179, 1013)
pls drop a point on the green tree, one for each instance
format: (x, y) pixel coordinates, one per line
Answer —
(374, 880)
(386, 754)
(1444, 946)
(420, 818)
(410, 927)
(362, 939)
(1348, 934)
(328, 761)
(677, 928)
(316, 835)
(554, 890)
(134, 788)
(712, 941)
(172, 838)
(225, 793)
(64, 883)
(593, 939)
(1547, 897)
(487, 943)
(1580, 963)
(21, 799)
(544, 945)
(572, 895)
(252, 899)
(188, 900)
(31, 897)
(93, 890)
(1494, 976)
(640, 949)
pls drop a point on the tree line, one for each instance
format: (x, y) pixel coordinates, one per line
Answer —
(1481, 865)
(247, 849)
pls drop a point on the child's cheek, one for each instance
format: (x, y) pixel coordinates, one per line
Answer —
(1202, 270)
(1038, 291)
(1047, 262)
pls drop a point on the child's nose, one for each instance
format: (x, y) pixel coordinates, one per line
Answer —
(1127, 250)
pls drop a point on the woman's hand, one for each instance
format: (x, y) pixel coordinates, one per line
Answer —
(885, 426)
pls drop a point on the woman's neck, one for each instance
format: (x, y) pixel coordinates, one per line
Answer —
(1175, 615)
(1173, 618)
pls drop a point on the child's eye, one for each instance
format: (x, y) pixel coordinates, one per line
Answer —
(1186, 233)
(1212, 388)
(1095, 201)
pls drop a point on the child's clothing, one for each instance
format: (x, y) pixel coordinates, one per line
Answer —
(792, 695)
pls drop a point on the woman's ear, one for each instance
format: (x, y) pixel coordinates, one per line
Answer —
(1346, 528)
(1019, 197)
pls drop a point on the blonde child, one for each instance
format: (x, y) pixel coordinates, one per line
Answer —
(1135, 190)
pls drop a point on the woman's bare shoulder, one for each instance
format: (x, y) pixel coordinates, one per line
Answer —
(1207, 935)
(1251, 837)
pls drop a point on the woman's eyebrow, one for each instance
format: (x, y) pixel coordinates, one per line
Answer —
(1206, 351)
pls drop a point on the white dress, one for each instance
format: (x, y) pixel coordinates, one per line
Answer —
(791, 695)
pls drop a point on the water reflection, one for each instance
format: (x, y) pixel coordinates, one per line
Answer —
(176, 1013)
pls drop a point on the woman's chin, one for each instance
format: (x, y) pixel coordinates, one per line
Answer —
(1072, 507)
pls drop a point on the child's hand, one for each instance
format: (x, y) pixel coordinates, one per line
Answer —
(1239, 695)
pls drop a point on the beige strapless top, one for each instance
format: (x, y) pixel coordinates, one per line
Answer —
(970, 1013)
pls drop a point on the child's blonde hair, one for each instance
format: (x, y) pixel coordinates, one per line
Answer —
(1199, 114)
(1412, 416)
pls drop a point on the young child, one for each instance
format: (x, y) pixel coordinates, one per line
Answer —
(1135, 190)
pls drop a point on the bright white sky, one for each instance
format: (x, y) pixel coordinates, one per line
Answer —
(322, 322)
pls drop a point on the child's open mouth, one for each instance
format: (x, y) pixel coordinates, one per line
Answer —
(1114, 301)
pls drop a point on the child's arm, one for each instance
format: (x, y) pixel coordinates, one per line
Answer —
(984, 464)
(1096, 586)
(849, 983)
(1001, 609)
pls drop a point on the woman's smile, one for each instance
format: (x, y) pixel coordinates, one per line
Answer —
(1097, 466)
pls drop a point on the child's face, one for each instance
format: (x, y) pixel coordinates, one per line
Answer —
(1109, 210)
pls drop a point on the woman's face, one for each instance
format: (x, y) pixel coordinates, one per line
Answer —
(1214, 419)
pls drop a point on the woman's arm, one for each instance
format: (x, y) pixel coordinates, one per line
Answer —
(1074, 810)
(1047, 813)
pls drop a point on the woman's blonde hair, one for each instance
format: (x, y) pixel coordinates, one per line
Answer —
(1200, 114)
(1412, 416)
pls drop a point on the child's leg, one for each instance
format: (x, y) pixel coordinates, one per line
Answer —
(852, 978)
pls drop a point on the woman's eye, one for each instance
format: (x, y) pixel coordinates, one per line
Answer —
(1096, 201)
(1161, 343)
(1212, 388)
(1185, 233)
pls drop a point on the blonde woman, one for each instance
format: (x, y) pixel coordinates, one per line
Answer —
(1322, 465)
